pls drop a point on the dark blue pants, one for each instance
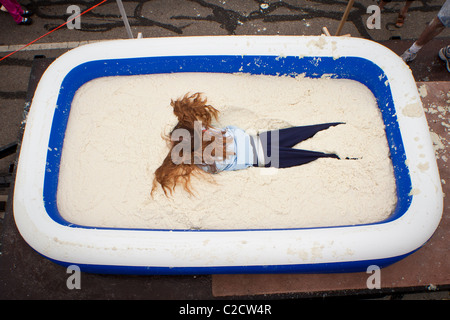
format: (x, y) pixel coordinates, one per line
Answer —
(281, 142)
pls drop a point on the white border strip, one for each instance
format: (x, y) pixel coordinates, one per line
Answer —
(46, 46)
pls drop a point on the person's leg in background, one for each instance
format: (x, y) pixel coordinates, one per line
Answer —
(436, 26)
(402, 14)
(289, 137)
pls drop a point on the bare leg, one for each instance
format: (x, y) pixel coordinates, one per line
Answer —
(432, 30)
(405, 8)
(402, 14)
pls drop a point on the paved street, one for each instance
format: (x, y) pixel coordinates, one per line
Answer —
(172, 18)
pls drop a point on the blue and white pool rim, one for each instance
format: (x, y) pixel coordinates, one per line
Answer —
(145, 251)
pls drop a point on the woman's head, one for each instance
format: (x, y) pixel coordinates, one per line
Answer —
(189, 147)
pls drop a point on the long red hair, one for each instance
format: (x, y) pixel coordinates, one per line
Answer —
(189, 110)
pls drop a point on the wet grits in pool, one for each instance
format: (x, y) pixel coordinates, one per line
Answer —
(113, 144)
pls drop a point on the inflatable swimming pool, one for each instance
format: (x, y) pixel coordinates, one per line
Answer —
(141, 251)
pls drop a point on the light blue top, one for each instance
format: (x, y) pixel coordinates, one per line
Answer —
(242, 149)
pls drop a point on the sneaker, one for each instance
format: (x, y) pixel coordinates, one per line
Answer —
(444, 54)
(408, 56)
(25, 22)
